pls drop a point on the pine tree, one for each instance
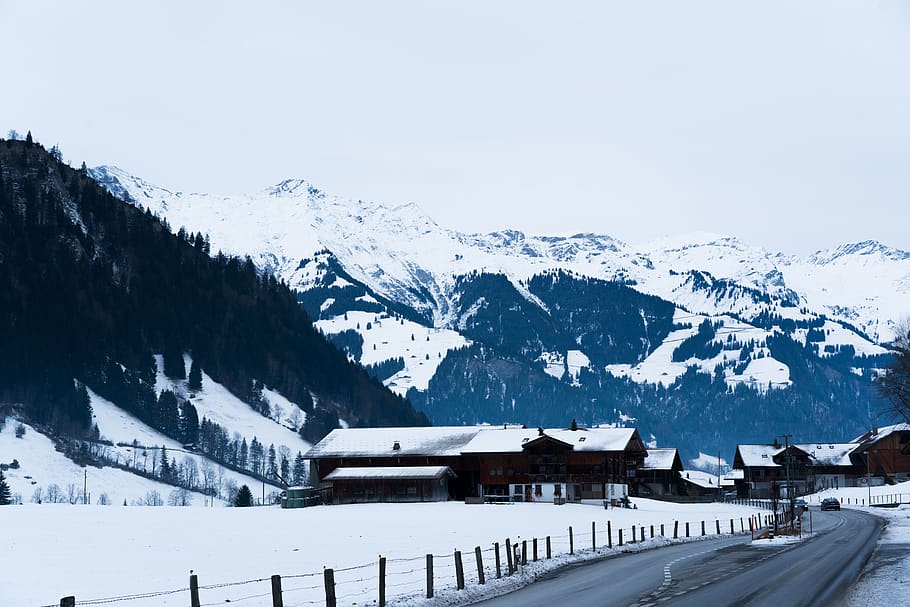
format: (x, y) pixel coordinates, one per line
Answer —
(165, 471)
(244, 497)
(195, 378)
(5, 498)
(272, 461)
(174, 367)
(300, 473)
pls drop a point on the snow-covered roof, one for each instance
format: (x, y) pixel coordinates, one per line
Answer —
(829, 454)
(583, 439)
(380, 442)
(883, 432)
(705, 480)
(659, 459)
(734, 474)
(755, 456)
(390, 472)
(455, 440)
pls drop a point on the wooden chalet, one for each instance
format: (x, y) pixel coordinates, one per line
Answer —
(765, 469)
(487, 463)
(659, 475)
(390, 484)
(885, 453)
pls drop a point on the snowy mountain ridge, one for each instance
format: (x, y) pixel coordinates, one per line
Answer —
(401, 253)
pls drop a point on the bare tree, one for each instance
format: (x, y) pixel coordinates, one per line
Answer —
(103, 500)
(180, 497)
(894, 383)
(13, 135)
(38, 495)
(152, 498)
(54, 494)
(190, 471)
(208, 476)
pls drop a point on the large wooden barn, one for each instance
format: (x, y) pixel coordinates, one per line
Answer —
(485, 462)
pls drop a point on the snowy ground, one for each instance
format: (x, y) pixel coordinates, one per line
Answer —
(105, 552)
(99, 552)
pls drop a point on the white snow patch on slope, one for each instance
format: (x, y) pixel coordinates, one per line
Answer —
(41, 465)
(422, 348)
(217, 404)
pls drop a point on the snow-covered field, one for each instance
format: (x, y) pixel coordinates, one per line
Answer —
(106, 552)
(98, 552)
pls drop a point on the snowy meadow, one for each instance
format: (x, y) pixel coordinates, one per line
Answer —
(105, 552)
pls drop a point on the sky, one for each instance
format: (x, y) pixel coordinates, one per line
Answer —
(784, 124)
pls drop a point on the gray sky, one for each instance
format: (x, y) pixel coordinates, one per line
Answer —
(784, 123)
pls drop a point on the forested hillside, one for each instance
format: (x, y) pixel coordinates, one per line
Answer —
(92, 287)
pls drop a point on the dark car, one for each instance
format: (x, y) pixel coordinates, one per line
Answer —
(800, 503)
(830, 503)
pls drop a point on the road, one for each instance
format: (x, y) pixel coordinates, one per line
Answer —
(726, 571)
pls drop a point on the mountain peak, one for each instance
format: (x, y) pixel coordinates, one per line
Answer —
(858, 249)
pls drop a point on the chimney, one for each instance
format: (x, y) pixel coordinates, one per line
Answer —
(574, 426)
(396, 446)
(540, 431)
(776, 444)
(874, 430)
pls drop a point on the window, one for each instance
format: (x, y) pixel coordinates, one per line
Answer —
(557, 490)
(538, 490)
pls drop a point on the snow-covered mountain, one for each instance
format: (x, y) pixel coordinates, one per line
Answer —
(506, 327)
(402, 254)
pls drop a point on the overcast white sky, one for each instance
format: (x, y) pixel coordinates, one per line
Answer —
(784, 123)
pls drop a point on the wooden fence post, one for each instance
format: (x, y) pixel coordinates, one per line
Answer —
(652, 532)
(703, 527)
(662, 530)
(498, 567)
(571, 542)
(329, 575)
(429, 576)
(534, 548)
(642, 532)
(609, 535)
(632, 541)
(381, 581)
(732, 530)
(524, 553)
(687, 528)
(593, 535)
(477, 555)
(68, 601)
(194, 591)
(509, 556)
(459, 571)
(277, 600)
(549, 554)
(717, 524)
(620, 536)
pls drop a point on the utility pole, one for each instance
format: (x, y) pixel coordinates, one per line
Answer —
(789, 484)
(869, 475)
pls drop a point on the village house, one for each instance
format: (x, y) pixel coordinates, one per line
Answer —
(884, 453)
(659, 475)
(880, 456)
(492, 463)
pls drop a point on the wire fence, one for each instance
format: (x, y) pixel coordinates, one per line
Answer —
(386, 579)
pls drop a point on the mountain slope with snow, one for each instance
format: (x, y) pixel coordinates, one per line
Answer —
(402, 254)
(687, 337)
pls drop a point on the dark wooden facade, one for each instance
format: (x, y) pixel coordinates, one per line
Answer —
(885, 455)
(518, 465)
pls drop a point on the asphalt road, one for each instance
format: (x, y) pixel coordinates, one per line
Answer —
(728, 571)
